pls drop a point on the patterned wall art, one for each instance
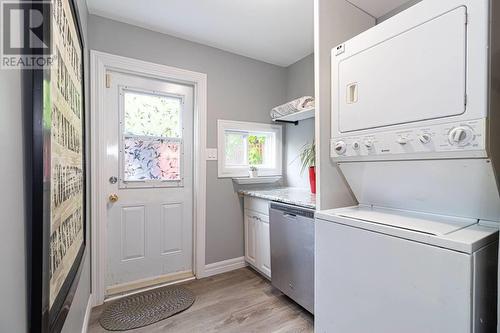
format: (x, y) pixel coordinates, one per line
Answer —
(58, 183)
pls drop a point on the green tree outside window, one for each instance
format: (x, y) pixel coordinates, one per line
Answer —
(256, 144)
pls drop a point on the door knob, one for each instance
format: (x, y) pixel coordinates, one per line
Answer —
(113, 197)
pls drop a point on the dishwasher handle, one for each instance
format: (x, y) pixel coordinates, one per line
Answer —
(292, 211)
(289, 215)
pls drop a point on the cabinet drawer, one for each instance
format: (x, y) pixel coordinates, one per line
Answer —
(257, 205)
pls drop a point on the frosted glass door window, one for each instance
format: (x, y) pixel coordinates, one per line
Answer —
(152, 137)
(151, 159)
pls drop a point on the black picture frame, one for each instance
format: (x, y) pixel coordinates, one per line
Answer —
(43, 318)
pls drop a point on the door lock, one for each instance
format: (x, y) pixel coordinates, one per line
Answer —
(113, 180)
(113, 198)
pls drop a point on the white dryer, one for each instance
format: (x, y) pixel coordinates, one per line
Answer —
(416, 133)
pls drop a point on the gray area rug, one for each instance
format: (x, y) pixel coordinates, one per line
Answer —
(146, 308)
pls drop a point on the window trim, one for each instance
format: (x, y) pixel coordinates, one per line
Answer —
(237, 172)
(152, 183)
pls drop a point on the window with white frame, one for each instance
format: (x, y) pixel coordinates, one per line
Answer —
(244, 144)
(151, 134)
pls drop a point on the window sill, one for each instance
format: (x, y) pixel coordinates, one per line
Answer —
(257, 180)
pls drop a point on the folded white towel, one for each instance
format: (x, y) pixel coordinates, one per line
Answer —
(299, 104)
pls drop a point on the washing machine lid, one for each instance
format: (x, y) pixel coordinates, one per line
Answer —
(435, 225)
(455, 233)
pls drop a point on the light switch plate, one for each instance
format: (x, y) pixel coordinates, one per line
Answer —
(211, 154)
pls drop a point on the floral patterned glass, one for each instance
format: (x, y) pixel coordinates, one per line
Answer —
(152, 137)
(155, 159)
(152, 115)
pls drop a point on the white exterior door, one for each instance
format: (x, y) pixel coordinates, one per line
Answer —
(148, 177)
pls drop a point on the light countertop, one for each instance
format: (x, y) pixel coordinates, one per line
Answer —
(290, 195)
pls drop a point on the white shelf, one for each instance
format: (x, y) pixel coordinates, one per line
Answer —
(257, 180)
(297, 116)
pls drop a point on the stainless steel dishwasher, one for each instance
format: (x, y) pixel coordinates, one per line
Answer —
(292, 252)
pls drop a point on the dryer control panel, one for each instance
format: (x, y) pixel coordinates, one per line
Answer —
(452, 140)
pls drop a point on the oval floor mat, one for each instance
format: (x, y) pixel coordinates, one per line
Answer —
(145, 308)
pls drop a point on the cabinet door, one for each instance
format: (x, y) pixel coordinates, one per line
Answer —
(250, 238)
(264, 245)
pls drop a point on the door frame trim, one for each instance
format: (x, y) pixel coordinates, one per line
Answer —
(99, 63)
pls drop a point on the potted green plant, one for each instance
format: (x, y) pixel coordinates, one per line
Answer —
(308, 161)
(253, 171)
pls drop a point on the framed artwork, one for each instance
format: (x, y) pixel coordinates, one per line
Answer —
(56, 171)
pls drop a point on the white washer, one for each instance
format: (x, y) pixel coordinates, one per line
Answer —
(397, 271)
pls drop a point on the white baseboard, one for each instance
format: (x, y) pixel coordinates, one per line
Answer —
(224, 266)
(88, 310)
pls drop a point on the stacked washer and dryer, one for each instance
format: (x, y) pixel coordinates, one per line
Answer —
(416, 133)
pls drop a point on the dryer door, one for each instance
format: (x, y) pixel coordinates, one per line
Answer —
(417, 74)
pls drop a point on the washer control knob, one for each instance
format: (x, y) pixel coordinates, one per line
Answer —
(340, 147)
(461, 136)
(369, 144)
(403, 140)
(356, 145)
(425, 138)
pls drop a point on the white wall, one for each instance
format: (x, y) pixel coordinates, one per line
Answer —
(335, 21)
(300, 82)
(239, 88)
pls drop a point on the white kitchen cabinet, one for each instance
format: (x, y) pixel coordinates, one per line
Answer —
(257, 240)
(250, 238)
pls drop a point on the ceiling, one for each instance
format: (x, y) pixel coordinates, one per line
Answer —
(378, 8)
(279, 32)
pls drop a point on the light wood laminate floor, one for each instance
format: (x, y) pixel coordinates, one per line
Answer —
(240, 301)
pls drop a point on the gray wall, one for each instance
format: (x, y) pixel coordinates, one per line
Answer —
(397, 10)
(239, 88)
(300, 82)
(300, 78)
(335, 21)
(13, 302)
